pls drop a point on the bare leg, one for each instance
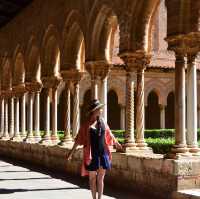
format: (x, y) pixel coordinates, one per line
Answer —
(93, 181)
(100, 181)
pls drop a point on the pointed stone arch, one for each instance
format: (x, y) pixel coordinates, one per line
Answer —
(50, 53)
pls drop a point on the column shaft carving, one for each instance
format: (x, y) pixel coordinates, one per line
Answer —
(76, 110)
(54, 136)
(67, 137)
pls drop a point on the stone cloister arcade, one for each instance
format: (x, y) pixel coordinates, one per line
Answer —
(61, 49)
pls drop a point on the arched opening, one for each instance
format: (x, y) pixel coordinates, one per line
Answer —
(62, 106)
(152, 112)
(84, 107)
(74, 46)
(19, 70)
(170, 111)
(113, 110)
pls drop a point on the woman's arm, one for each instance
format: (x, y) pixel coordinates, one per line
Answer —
(69, 155)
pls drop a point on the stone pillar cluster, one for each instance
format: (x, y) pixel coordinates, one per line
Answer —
(186, 49)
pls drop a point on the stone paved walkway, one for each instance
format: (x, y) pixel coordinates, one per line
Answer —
(18, 182)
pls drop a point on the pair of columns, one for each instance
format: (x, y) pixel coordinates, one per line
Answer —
(68, 138)
(135, 65)
(185, 140)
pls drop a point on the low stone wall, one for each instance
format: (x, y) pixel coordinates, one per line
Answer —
(145, 173)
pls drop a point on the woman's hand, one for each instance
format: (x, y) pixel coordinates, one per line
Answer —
(118, 146)
(69, 156)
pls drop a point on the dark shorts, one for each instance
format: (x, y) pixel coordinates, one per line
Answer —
(97, 162)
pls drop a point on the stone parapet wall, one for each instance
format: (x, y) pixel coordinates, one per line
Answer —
(144, 173)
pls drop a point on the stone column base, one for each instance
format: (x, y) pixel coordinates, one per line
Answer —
(46, 140)
(16, 139)
(194, 150)
(37, 138)
(55, 140)
(5, 137)
(30, 139)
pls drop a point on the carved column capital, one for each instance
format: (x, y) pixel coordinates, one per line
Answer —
(135, 61)
(99, 68)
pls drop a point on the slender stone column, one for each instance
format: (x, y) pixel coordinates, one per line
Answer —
(30, 138)
(122, 117)
(37, 117)
(192, 143)
(11, 117)
(23, 116)
(2, 118)
(17, 137)
(95, 88)
(5, 134)
(54, 136)
(180, 137)
(140, 109)
(47, 137)
(67, 137)
(129, 134)
(76, 110)
(198, 117)
(162, 116)
(104, 91)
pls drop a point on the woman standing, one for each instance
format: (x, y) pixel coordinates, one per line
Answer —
(96, 137)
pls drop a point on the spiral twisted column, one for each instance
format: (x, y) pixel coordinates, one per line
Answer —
(67, 134)
(47, 137)
(140, 109)
(129, 134)
(30, 137)
(76, 110)
(2, 118)
(54, 135)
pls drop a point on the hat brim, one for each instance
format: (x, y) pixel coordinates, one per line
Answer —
(97, 107)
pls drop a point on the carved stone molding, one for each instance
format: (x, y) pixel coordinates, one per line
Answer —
(135, 61)
(184, 44)
(73, 75)
(98, 68)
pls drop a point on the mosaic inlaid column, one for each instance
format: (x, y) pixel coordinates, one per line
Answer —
(191, 136)
(30, 137)
(54, 135)
(2, 118)
(67, 134)
(76, 110)
(37, 117)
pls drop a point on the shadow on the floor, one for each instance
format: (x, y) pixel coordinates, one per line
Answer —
(10, 191)
(75, 180)
(42, 178)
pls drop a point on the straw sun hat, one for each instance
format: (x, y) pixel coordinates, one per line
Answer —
(94, 105)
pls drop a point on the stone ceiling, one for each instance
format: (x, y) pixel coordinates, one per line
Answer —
(10, 8)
